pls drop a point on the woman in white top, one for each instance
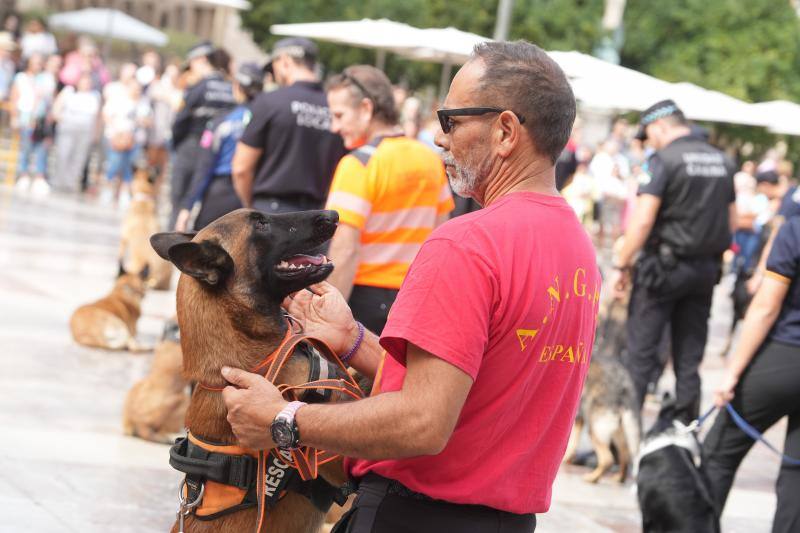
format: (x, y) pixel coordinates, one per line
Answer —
(29, 108)
(37, 40)
(76, 111)
(126, 116)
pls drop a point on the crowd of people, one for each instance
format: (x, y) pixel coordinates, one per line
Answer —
(66, 106)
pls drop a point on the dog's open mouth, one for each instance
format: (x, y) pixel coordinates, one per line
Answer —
(302, 264)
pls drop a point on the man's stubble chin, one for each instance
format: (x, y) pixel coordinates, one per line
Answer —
(466, 179)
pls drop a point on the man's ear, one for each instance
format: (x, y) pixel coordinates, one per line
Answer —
(508, 133)
(162, 242)
(205, 261)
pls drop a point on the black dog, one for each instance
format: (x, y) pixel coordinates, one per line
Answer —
(673, 490)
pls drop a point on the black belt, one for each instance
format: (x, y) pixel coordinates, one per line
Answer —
(303, 201)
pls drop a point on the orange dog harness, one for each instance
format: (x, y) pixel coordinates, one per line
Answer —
(222, 479)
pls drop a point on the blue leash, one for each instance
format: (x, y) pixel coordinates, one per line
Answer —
(749, 430)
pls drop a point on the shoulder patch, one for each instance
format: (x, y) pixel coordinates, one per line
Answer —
(644, 178)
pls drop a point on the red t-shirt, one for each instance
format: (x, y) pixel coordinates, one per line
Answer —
(509, 295)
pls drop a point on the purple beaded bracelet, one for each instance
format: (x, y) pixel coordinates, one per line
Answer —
(346, 357)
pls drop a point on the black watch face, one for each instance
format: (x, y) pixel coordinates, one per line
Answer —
(282, 433)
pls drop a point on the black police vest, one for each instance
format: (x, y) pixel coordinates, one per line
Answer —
(694, 216)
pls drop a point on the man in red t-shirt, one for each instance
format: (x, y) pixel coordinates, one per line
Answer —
(489, 340)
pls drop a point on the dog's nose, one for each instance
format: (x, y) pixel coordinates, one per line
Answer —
(327, 217)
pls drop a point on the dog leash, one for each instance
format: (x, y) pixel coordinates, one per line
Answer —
(749, 430)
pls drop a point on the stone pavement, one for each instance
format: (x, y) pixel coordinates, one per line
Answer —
(67, 468)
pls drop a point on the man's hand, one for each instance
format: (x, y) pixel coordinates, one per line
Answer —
(251, 407)
(324, 314)
(620, 281)
(182, 221)
(725, 391)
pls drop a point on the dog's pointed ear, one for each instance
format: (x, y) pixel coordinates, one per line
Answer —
(205, 261)
(162, 242)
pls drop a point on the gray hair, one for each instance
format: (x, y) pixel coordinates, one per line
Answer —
(521, 77)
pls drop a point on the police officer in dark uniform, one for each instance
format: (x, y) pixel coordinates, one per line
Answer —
(682, 224)
(287, 155)
(201, 102)
(211, 184)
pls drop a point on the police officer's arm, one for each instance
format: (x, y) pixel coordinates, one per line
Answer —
(243, 171)
(764, 309)
(733, 217)
(639, 227)
(758, 275)
(251, 146)
(202, 176)
(344, 252)
(183, 118)
(651, 190)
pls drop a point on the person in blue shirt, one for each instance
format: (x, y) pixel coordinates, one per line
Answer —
(211, 184)
(762, 381)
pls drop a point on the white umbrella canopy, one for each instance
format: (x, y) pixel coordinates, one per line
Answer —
(366, 33)
(602, 85)
(782, 116)
(108, 23)
(440, 45)
(702, 104)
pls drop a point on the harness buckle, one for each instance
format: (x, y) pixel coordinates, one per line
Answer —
(184, 507)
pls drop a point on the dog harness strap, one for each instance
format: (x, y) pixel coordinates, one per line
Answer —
(285, 352)
(196, 461)
(268, 359)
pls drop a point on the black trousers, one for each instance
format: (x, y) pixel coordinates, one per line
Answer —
(183, 163)
(385, 506)
(683, 302)
(768, 390)
(220, 199)
(371, 305)
(269, 204)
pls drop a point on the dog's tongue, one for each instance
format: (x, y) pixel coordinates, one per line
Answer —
(300, 260)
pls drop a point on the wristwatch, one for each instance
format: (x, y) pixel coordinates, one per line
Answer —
(284, 428)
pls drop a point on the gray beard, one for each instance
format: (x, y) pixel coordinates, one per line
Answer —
(464, 180)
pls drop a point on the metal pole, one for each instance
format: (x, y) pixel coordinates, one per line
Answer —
(504, 10)
(380, 59)
(444, 81)
(109, 31)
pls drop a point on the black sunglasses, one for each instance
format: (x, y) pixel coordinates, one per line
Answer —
(447, 123)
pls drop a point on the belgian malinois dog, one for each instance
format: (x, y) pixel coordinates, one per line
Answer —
(235, 273)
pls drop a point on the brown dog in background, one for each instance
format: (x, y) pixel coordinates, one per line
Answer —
(140, 223)
(235, 273)
(156, 406)
(110, 322)
(608, 402)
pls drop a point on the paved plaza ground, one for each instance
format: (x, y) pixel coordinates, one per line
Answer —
(66, 466)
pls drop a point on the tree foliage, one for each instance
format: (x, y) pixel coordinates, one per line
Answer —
(553, 24)
(749, 49)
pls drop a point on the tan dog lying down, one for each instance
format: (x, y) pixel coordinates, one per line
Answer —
(110, 322)
(156, 406)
